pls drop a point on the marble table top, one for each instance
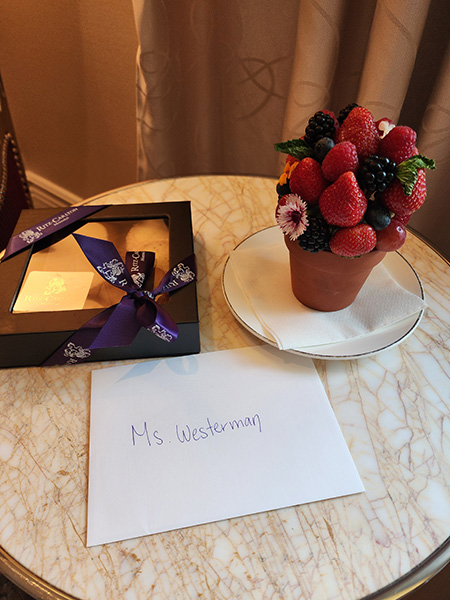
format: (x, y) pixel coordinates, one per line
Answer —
(393, 408)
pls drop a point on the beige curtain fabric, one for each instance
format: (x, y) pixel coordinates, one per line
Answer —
(220, 81)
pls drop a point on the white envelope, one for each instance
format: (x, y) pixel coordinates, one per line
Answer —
(183, 441)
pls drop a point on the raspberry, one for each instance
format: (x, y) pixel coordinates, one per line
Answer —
(398, 202)
(398, 144)
(354, 241)
(343, 203)
(360, 129)
(384, 126)
(392, 237)
(341, 158)
(346, 111)
(307, 180)
(320, 125)
(316, 237)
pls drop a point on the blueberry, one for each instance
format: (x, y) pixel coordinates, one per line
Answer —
(283, 189)
(322, 147)
(377, 215)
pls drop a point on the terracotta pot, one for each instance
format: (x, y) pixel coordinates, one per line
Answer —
(325, 281)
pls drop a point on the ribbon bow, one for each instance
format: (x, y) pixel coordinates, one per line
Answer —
(119, 324)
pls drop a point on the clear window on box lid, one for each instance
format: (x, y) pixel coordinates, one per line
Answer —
(60, 277)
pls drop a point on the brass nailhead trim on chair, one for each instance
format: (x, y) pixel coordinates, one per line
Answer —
(8, 139)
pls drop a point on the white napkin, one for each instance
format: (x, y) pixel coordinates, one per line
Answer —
(262, 272)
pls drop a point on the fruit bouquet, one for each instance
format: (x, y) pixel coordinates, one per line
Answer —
(350, 185)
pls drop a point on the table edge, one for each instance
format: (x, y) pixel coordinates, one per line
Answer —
(28, 582)
(41, 590)
(417, 576)
(423, 238)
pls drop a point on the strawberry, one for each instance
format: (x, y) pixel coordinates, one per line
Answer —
(354, 241)
(398, 202)
(398, 144)
(290, 160)
(308, 181)
(343, 203)
(403, 219)
(360, 129)
(341, 158)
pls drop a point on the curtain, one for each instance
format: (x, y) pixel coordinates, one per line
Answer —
(220, 81)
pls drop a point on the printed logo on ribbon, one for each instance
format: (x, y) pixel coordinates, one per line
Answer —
(29, 236)
(112, 270)
(75, 353)
(138, 279)
(58, 222)
(119, 324)
(161, 333)
(183, 273)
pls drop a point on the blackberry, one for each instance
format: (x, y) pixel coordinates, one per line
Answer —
(316, 236)
(319, 126)
(322, 147)
(376, 174)
(377, 215)
(346, 111)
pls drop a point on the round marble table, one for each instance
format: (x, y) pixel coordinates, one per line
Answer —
(393, 408)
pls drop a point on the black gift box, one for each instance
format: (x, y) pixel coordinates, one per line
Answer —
(28, 339)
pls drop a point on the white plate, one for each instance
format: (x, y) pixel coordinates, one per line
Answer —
(398, 267)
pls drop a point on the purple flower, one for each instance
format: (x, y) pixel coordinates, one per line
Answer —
(291, 216)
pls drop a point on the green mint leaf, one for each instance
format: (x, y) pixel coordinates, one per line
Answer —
(407, 177)
(296, 148)
(407, 171)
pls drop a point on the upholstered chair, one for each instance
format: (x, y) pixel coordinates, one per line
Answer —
(14, 192)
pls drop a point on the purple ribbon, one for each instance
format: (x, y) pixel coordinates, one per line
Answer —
(119, 324)
(45, 228)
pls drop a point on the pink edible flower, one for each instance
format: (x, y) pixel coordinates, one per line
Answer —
(291, 216)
